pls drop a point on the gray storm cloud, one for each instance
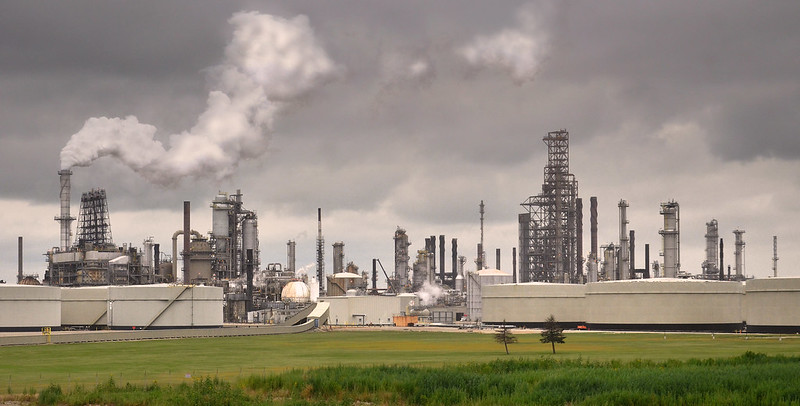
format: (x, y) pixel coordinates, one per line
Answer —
(270, 61)
(519, 51)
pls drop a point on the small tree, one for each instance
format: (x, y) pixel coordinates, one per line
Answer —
(503, 336)
(552, 333)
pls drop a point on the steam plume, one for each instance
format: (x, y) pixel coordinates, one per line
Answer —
(269, 62)
(518, 51)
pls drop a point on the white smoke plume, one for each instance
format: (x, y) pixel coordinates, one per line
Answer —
(518, 51)
(270, 61)
(305, 270)
(429, 294)
(405, 69)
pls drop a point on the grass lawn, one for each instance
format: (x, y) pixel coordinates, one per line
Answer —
(176, 361)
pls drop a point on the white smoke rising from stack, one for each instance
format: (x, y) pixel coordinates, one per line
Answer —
(269, 62)
(429, 294)
(519, 51)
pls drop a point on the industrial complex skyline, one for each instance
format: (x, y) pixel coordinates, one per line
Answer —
(409, 114)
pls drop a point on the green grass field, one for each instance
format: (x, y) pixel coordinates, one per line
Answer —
(176, 361)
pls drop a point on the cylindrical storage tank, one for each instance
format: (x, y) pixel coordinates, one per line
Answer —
(665, 304)
(529, 304)
(250, 234)
(220, 226)
(85, 306)
(164, 306)
(29, 307)
(770, 305)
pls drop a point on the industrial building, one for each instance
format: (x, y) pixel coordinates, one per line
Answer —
(662, 304)
(110, 307)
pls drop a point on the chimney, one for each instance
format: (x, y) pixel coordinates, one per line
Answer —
(65, 219)
(441, 259)
(19, 260)
(497, 258)
(187, 279)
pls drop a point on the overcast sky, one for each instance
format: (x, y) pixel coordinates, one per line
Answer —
(390, 113)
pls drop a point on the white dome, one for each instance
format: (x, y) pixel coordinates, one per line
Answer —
(296, 291)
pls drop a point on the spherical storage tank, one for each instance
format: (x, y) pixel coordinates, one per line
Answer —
(296, 291)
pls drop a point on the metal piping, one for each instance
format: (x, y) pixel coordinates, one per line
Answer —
(175, 251)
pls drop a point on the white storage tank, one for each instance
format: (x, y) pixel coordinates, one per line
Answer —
(771, 305)
(475, 283)
(529, 304)
(85, 306)
(164, 306)
(26, 307)
(665, 304)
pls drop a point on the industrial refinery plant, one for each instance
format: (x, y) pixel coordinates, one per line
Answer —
(604, 288)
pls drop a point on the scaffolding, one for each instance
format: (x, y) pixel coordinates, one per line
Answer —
(94, 225)
(549, 227)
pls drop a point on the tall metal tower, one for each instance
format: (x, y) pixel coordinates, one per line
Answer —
(671, 238)
(738, 254)
(774, 256)
(548, 229)
(710, 265)
(94, 225)
(65, 219)
(320, 253)
(624, 261)
(401, 256)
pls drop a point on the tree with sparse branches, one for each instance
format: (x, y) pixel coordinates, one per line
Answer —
(552, 333)
(503, 336)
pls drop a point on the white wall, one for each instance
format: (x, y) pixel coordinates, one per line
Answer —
(29, 307)
(84, 306)
(136, 306)
(772, 302)
(533, 302)
(358, 310)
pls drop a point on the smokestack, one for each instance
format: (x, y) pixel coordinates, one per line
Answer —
(441, 259)
(774, 255)
(633, 256)
(156, 259)
(497, 258)
(65, 219)
(249, 267)
(481, 255)
(290, 256)
(19, 260)
(187, 279)
(579, 242)
(320, 253)
(721, 264)
(514, 264)
(432, 253)
(374, 276)
(646, 261)
(454, 271)
(593, 224)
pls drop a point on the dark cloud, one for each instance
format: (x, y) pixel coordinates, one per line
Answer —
(662, 100)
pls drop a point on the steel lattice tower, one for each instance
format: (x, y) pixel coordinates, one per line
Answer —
(549, 227)
(94, 226)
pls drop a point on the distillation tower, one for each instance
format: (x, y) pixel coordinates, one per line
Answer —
(711, 266)
(671, 234)
(738, 254)
(624, 261)
(548, 229)
(234, 232)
